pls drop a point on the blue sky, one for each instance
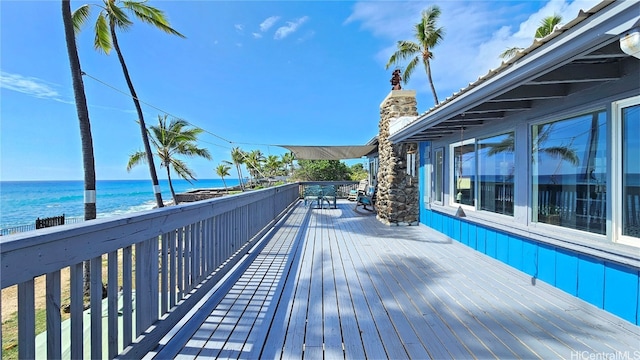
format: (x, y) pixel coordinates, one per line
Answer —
(255, 74)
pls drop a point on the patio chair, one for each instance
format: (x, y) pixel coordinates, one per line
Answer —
(329, 195)
(362, 189)
(312, 193)
(366, 199)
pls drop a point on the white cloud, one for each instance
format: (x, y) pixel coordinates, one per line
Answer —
(268, 23)
(239, 27)
(290, 28)
(28, 85)
(308, 35)
(256, 35)
(476, 32)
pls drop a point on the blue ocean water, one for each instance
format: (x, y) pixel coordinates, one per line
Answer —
(21, 202)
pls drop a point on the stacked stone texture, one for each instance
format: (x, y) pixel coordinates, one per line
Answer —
(397, 192)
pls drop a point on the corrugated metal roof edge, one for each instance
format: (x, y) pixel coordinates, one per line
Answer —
(582, 15)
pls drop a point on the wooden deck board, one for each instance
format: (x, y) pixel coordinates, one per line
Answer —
(334, 283)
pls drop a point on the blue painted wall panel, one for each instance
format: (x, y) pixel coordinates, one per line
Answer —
(473, 233)
(464, 232)
(567, 272)
(481, 238)
(491, 243)
(515, 252)
(455, 229)
(530, 258)
(502, 247)
(547, 264)
(621, 291)
(591, 280)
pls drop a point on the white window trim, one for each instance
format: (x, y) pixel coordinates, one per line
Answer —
(616, 171)
(452, 155)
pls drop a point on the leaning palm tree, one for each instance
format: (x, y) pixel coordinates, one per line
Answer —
(113, 16)
(170, 140)
(223, 170)
(546, 27)
(88, 161)
(428, 35)
(237, 159)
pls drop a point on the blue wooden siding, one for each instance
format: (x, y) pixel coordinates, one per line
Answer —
(610, 286)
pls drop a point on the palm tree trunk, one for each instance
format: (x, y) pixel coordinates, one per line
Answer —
(88, 161)
(240, 176)
(433, 89)
(143, 127)
(173, 193)
(225, 184)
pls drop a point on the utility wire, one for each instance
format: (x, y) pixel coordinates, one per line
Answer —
(244, 154)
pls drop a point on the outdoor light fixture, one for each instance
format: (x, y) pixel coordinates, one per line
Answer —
(460, 213)
(630, 43)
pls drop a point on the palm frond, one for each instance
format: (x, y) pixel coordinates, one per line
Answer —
(117, 16)
(406, 49)
(510, 52)
(80, 16)
(563, 152)
(151, 15)
(409, 69)
(102, 41)
(181, 168)
(547, 25)
(138, 157)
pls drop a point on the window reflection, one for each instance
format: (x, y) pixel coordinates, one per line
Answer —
(464, 170)
(438, 176)
(569, 172)
(496, 166)
(631, 171)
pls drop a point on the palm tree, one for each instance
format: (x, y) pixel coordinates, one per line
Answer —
(170, 140)
(223, 170)
(112, 16)
(237, 159)
(254, 160)
(428, 35)
(273, 165)
(88, 161)
(287, 160)
(546, 27)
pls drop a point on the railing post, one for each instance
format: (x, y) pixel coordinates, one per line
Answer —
(146, 284)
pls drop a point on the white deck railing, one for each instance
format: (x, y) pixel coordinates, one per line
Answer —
(155, 260)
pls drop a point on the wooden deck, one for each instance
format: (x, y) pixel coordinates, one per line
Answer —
(335, 283)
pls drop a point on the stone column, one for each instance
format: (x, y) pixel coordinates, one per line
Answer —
(397, 192)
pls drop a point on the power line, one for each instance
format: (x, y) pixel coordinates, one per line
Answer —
(155, 107)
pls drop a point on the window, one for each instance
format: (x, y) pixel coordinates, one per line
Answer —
(464, 170)
(438, 173)
(496, 167)
(629, 220)
(569, 170)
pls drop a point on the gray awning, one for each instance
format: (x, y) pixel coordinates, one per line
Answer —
(330, 152)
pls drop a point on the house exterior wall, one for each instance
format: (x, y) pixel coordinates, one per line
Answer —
(588, 265)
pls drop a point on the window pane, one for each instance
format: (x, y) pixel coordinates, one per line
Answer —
(464, 170)
(496, 166)
(631, 171)
(438, 171)
(569, 173)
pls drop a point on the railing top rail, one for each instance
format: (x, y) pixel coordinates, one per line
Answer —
(53, 248)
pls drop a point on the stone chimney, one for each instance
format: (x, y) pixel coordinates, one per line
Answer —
(397, 190)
